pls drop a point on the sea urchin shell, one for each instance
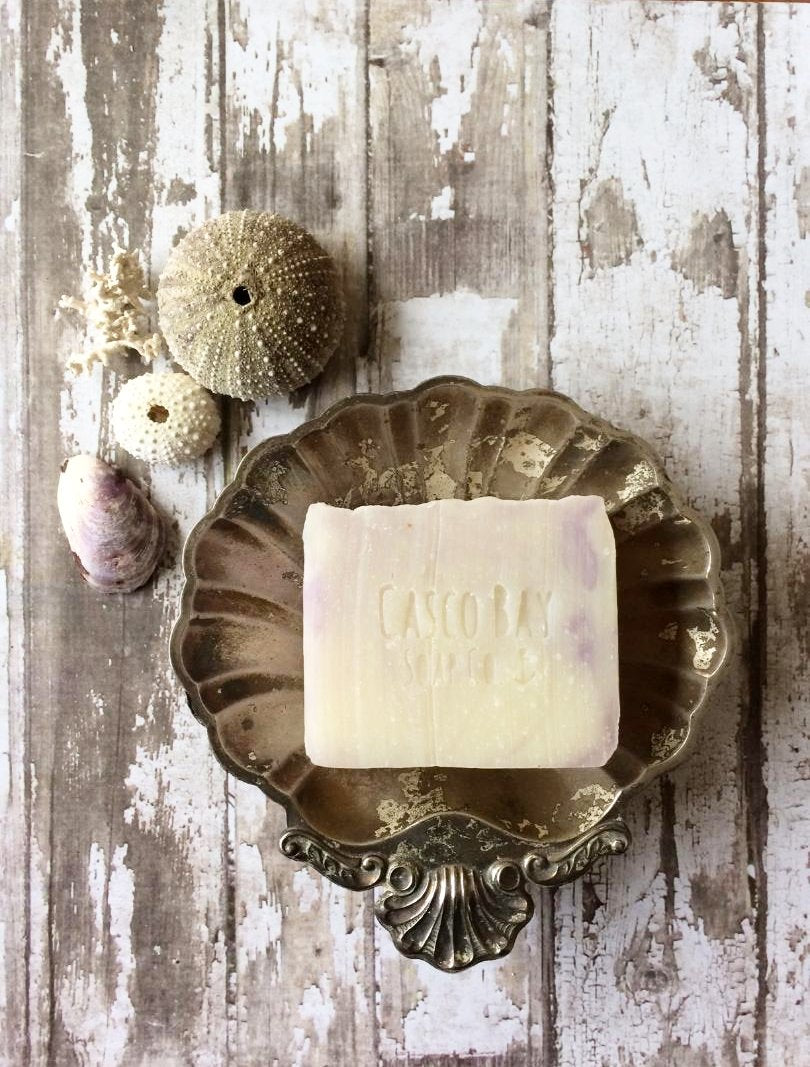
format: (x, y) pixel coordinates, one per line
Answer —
(115, 534)
(250, 305)
(165, 418)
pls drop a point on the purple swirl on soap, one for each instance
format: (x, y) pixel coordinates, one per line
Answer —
(580, 629)
(578, 554)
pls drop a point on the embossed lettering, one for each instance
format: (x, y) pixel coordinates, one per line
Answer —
(488, 668)
(428, 626)
(500, 599)
(541, 625)
(428, 613)
(526, 671)
(445, 625)
(410, 623)
(469, 614)
(385, 629)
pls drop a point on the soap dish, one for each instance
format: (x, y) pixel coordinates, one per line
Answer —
(451, 850)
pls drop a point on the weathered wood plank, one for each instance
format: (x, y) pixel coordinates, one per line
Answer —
(458, 204)
(13, 707)
(655, 221)
(786, 609)
(127, 957)
(176, 810)
(295, 142)
(50, 209)
(458, 191)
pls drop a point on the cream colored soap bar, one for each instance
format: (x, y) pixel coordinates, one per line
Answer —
(460, 633)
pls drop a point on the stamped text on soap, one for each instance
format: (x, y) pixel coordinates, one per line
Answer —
(441, 636)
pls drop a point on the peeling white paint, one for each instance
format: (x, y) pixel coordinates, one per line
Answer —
(448, 37)
(317, 1006)
(120, 902)
(177, 797)
(79, 402)
(319, 64)
(786, 706)
(441, 206)
(307, 887)
(5, 689)
(459, 332)
(507, 50)
(303, 58)
(176, 788)
(64, 53)
(39, 949)
(96, 883)
(11, 222)
(459, 1014)
(5, 764)
(184, 112)
(99, 1027)
(97, 700)
(348, 938)
(19, 888)
(646, 348)
(164, 783)
(260, 918)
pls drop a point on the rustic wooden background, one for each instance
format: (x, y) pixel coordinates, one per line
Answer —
(609, 197)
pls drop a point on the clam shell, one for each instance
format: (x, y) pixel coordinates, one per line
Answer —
(114, 532)
(250, 305)
(238, 644)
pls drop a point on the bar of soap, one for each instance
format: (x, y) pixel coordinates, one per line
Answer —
(478, 633)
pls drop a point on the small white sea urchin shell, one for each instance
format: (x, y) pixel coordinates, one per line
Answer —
(250, 305)
(165, 418)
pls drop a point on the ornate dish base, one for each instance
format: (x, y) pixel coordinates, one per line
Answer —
(454, 915)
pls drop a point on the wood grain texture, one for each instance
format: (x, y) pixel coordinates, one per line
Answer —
(458, 202)
(610, 198)
(128, 813)
(458, 191)
(786, 513)
(14, 809)
(176, 793)
(655, 280)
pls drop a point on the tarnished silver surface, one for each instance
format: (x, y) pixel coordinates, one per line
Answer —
(452, 849)
(455, 914)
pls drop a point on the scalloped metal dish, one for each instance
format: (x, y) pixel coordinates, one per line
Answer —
(451, 849)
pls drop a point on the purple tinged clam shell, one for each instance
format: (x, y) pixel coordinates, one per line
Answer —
(114, 532)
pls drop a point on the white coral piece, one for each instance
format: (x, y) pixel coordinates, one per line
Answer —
(165, 418)
(116, 308)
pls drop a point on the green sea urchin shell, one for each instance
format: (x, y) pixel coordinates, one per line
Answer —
(250, 305)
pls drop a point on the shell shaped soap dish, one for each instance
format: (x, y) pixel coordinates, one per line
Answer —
(452, 851)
